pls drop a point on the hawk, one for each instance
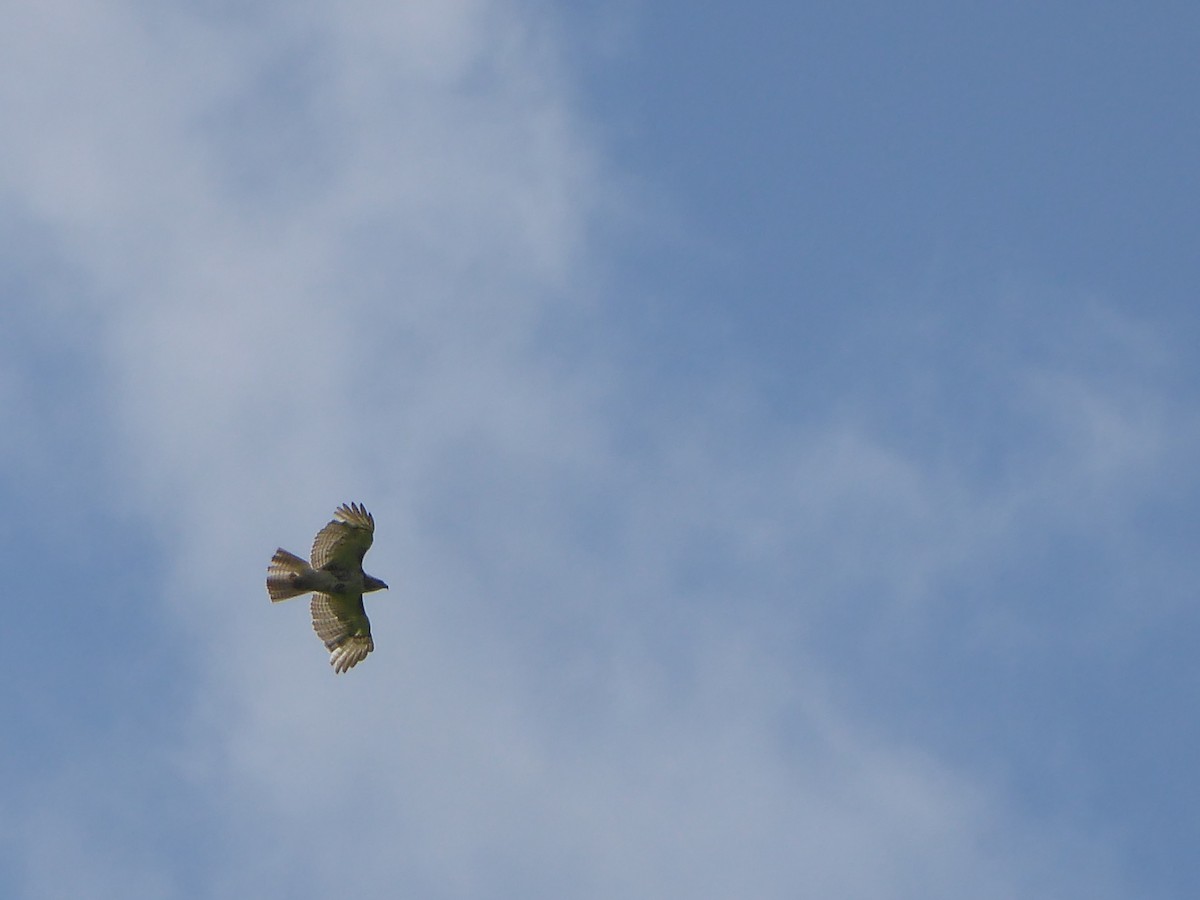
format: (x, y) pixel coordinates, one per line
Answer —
(337, 581)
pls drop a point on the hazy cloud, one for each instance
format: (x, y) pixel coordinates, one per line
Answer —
(321, 257)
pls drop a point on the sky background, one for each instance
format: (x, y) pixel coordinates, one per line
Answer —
(781, 428)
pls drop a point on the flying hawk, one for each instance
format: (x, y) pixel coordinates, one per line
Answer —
(337, 581)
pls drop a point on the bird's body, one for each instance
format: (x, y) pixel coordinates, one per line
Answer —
(336, 579)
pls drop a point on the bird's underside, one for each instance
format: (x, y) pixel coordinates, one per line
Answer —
(335, 577)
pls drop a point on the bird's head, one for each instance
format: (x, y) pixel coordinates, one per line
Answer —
(371, 583)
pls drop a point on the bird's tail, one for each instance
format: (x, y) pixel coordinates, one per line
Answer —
(288, 576)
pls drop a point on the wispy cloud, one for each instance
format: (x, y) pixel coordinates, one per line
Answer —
(318, 256)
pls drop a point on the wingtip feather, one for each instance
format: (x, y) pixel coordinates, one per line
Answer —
(355, 514)
(346, 656)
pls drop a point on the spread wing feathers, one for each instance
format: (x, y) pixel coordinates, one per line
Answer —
(341, 622)
(343, 542)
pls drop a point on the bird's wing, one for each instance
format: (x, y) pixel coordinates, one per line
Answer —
(341, 622)
(343, 542)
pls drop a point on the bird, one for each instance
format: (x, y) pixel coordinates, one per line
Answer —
(337, 582)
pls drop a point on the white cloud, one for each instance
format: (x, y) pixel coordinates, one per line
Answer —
(569, 696)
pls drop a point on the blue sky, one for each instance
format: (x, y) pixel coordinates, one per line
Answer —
(781, 429)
